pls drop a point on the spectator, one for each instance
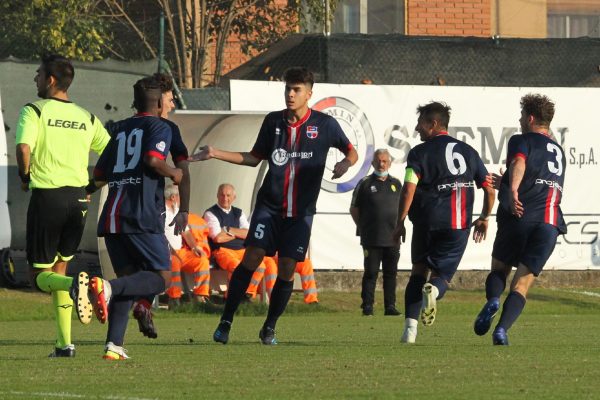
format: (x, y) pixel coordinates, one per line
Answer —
(374, 209)
(190, 252)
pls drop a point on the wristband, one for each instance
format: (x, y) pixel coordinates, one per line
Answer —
(484, 218)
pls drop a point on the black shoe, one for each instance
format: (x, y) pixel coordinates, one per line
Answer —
(143, 315)
(367, 310)
(392, 311)
(267, 336)
(221, 334)
(68, 351)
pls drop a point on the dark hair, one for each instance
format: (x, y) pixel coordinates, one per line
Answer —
(435, 111)
(165, 80)
(60, 68)
(299, 75)
(146, 94)
(540, 106)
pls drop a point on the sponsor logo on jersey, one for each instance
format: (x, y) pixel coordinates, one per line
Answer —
(281, 156)
(60, 123)
(161, 146)
(455, 185)
(125, 181)
(312, 131)
(553, 184)
(373, 189)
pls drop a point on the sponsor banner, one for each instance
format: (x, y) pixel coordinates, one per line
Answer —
(484, 117)
(4, 216)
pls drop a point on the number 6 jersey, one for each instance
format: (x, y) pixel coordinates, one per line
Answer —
(135, 201)
(445, 168)
(542, 185)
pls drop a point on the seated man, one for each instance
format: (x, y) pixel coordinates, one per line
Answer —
(189, 252)
(307, 277)
(228, 227)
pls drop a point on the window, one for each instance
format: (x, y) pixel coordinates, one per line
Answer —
(362, 16)
(573, 26)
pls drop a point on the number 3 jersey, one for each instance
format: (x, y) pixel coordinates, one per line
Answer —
(541, 189)
(135, 201)
(445, 168)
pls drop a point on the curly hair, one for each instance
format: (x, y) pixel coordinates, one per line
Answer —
(165, 80)
(540, 107)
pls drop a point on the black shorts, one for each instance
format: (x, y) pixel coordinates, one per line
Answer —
(55, 222)
(289, 237)
(440, 250)
(527, 243)
(138, 251)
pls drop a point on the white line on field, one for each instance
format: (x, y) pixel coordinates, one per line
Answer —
(584, 292)
(71, 395)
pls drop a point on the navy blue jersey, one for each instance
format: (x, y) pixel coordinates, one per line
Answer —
(297, 155)
(178, 150)
(542, 185)
(135, 201)
(446, 168)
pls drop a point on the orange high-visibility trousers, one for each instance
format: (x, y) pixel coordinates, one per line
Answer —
(268, 268)
(307, 278)
(229, 259)
(190, 263)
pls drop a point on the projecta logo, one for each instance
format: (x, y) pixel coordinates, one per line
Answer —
(279, 157)
(357, 128)
(312, 132)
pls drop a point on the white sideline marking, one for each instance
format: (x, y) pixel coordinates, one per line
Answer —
(72, 395)
(584, 292)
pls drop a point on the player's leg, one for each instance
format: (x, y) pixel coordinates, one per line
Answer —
(54, 229)
(292, 246)
(372, 260)
(539, 246)
(413, 293)
(509, 243)
(307, 277)
(389, 266)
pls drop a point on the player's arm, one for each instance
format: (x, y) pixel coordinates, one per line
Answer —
(23, 163)
(234, 157)
(163, 169)
(516, 171)
(481, 224)
(342, 166)
(411, 179)
(354, 204)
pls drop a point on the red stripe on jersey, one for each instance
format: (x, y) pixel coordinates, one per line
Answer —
(286, 179)
(295, 189)
(300, 121)
(463, 208)
(110, 202)
(156, 154)
(453, 209)
(551, 211)
(118, 213)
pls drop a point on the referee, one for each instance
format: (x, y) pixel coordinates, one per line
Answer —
(54, 138)
(374, 209)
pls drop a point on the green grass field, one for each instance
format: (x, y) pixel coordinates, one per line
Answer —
(330, 351)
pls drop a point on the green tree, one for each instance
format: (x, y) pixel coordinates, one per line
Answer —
(72, 28)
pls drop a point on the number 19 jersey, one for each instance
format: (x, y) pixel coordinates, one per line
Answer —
(541, 188)
(135, 202)
(446, 169)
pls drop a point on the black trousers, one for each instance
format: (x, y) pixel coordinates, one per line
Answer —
(388, 258)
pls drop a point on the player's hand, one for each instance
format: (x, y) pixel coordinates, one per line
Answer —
(340, 168)
(495, 179)
(480, 231)
(205, 153)
(400, 233)
(516, 207)
(25, 187)
(177, 176)
(179, 222)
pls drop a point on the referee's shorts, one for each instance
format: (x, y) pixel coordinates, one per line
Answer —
(55, 223)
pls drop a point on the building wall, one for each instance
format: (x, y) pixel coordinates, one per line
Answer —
(519, 18)
(448, 18)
